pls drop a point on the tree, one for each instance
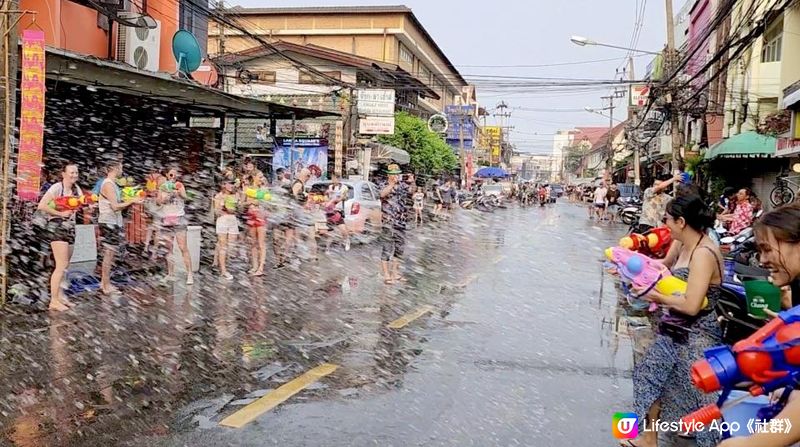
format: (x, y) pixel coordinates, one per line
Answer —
(430, 155)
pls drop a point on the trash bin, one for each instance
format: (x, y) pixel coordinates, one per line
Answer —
(761, 294)
(193, 240)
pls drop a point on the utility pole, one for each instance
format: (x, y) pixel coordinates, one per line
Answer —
(610, 142)
(636, 150)
(670, 65)
(461, 147)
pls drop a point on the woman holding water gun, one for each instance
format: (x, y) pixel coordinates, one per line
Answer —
(257, 197)
(778, 237)
(60, 230)
(112, 229)
(171, 222)
(226, 206)
(661, 385)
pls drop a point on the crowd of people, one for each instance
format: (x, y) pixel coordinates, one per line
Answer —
(248, 209)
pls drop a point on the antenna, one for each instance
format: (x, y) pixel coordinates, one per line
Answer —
(186, 51)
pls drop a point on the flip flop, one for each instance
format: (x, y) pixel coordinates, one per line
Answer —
(400, 279)
(388, 281)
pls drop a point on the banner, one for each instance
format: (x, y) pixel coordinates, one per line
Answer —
(315, 158)
(31, 127)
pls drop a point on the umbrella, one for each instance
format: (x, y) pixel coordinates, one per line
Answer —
(490, 172)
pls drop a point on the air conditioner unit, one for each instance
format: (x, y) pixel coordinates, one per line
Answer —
(139, 46)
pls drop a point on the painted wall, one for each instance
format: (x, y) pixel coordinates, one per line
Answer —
(790, 68)
(699, 21)
(73, 27)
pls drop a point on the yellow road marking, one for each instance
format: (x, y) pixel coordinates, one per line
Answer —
(409, 317)
(277, 396)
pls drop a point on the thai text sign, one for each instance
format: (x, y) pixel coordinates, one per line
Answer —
(31, 127)
(376, 102)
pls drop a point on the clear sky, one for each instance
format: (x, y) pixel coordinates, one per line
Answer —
(490, 38)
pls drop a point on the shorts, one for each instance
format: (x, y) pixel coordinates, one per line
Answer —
(180, 225)
(112, 236)
(334, 218)
(393, 243)
(228, 224)
(60, 230)
(614, 207)
(418, 206)
(601, 206)
(255, 219)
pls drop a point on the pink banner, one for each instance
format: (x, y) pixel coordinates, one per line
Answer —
(31, 120)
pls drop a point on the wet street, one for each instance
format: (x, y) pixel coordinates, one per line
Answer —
(505, 333)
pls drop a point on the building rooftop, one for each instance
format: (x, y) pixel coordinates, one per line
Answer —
(397, 9)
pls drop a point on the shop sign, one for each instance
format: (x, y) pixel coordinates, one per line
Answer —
(376, 102)
(787, 147)
(639, 95)
(338, 137)
(376, 125)
(438, 123)
(31, 128)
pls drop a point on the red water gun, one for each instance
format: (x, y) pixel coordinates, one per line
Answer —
(654, 243)
(72, 203)
(769, 360)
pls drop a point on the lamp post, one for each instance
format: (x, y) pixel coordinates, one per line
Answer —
(583, 41)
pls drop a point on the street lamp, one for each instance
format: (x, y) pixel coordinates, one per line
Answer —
(583, 41)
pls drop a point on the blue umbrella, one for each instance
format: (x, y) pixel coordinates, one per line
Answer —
(491, 172)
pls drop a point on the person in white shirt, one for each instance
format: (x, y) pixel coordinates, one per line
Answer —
(599, 205)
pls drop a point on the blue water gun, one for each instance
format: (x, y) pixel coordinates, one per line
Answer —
(769, 360)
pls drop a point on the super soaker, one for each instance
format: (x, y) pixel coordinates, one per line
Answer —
(262, 195)
(769, 359)
(655, 241)
(66, 203)
(131, 193)
(645, 273)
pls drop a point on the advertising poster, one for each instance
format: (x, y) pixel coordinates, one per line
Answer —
(311, 153)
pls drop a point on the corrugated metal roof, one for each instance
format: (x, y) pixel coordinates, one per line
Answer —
(320, 9)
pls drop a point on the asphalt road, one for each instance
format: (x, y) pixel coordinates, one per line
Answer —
(504, 334)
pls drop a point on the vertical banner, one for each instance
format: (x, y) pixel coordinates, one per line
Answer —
(338, 142)
(31, 127)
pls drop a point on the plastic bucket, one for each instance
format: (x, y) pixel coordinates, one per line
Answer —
(730, 266)
(743, 412)
(761, 294)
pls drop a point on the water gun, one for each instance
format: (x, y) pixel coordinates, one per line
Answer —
(258, 194)
(656, 242)
(231, 204)
(171, 186)
(131, 193)
(66, 203)
(152, 183)
(769, 359)
(646, 273)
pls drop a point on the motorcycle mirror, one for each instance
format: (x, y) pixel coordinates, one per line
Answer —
(796, 167)
(727, 240)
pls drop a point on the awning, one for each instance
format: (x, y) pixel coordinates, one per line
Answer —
(744, 145)
(381, 152)
(74, 68)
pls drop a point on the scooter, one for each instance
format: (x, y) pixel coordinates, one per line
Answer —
(631, 212)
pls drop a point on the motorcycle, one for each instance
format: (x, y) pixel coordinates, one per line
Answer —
(630, 213)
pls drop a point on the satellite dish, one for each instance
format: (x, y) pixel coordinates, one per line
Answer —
(186, 51)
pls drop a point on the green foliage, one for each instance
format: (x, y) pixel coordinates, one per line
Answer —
(430, 154)
(572, 158)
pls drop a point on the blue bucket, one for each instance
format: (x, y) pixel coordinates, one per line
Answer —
(743, 412)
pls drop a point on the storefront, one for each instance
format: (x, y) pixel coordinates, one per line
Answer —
(94, 108)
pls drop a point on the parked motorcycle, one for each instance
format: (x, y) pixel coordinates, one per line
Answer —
(630, 213)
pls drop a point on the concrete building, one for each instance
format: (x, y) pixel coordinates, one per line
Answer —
(388, 34)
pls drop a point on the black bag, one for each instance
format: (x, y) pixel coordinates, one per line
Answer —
(677, 325)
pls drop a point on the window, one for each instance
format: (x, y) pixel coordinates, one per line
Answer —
(773, 42)
(313, 78)
(366, 192)
(263, 77)
(425, 74)
(406, 55)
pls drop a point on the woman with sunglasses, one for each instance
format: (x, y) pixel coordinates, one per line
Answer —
(778, 237)
(661, 386)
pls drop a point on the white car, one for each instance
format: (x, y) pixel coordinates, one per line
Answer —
(493, 190)
(362, 209)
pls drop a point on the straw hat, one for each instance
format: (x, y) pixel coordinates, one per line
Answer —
(393, 169)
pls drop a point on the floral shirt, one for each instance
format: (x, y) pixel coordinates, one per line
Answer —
(654, 206)
(396, 205)
(742, 217)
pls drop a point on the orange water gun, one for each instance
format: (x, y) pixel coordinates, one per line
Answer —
(72, 203)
